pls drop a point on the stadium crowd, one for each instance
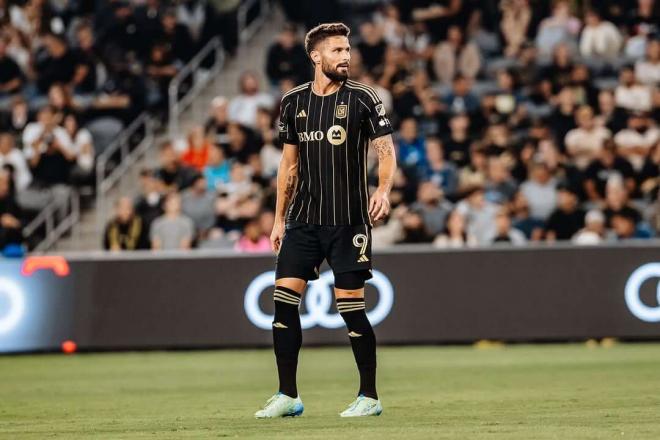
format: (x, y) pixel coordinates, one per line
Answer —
(516, 121)
(73, 74)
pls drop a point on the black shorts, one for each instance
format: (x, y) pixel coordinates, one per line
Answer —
(347, 248)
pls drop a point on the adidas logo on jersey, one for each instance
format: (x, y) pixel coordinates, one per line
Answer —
(301, 114)
(363, 259)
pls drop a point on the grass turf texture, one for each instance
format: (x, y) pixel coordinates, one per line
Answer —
(513, 392)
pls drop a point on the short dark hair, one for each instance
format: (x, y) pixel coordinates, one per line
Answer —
(323, 31)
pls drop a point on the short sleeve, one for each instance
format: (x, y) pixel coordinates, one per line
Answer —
(376, 121)
(287, 126)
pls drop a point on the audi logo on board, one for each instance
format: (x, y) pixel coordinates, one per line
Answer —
(634, 301)
(318, 301)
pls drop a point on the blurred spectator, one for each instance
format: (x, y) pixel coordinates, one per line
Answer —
(57, 65)
(647, 70)
(454, 234)
(48, 149)
(456, 56)
(172, 230)
(216, 126)
(585, 143)
(504, 232)
(533, 228)
(636, 141)
(460, 99)
(540, 191)
(83, 148)
(414, 228)
(561, 27)
(197, 204)
(440, 171)
(412, 152)
(11, 76)
(432, 207)
(254, 238)
(500, 187)
(126, 231)
(239, 199)
(287, 58)
(12, 156)
(10, 213)
(594, 229)
(602, 169)
(567, 219)
(197, 153)
(243, 108)
(600, 38)
(516, 17)
(616, 203)
(173, 174)
(457, 144)
(630, 94)
(149, 204)
(217, 169)
(480, 215)
(625, 228)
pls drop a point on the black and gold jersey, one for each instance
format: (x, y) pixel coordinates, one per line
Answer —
(332, 133)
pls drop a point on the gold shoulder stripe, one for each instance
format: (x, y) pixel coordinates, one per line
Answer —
(295, 89)
(370, 91)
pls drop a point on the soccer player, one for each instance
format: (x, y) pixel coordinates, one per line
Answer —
(324, 211)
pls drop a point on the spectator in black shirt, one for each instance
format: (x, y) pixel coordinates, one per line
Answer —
(176, 37)
(10, 213)
(57, 65)
(216, 126)
(287, 58)
(616, 203)
(172, 173)
(567, 219)
(149, 204)
(11, 77)
(161, 68)
(372, 47)
(601, 170)
(126, 231)
(87, 59)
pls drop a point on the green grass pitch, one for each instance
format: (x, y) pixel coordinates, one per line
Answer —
(514, 392)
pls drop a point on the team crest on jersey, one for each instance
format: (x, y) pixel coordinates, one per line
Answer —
(380, 110)
(336, 135)
(341, 111)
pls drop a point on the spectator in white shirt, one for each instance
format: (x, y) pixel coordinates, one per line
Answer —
(636, 141)
(631, 95)
(647, 71)
(243, 108)
(83, 147)
(585, 142)
(600, 39)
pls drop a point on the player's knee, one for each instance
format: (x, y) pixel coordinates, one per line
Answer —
(296, 284)
(351, 281)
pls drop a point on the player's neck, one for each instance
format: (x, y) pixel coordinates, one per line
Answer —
(322, 85)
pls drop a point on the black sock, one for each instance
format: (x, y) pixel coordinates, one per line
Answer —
(287, 338)
(363, 342)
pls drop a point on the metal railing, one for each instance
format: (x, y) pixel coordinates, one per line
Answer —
(191, 70)
(247, 30)
(116, 160)
(56, 219)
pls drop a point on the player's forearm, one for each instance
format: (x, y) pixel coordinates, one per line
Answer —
(384, 147)
(287, 179)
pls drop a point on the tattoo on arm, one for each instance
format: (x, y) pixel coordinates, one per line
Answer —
(290, 188)
(383, 146)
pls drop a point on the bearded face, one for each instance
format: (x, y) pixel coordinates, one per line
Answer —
(335, 58)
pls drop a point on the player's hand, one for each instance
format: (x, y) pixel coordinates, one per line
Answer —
(379, 205)
(276, 236)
